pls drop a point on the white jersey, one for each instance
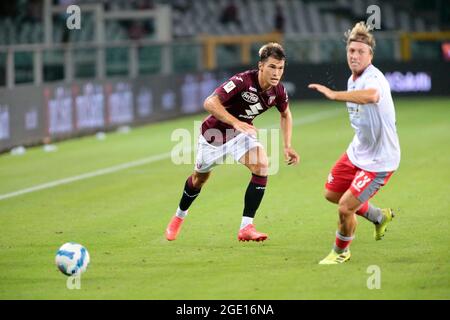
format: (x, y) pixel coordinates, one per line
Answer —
(375, 146)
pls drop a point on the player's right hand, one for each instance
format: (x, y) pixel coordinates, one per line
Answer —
(246, 128)
(330, 94)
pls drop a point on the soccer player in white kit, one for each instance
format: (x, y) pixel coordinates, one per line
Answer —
(373, 155)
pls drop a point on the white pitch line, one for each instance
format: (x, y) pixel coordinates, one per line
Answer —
(322, 115)
(308, 119)
(88, 175)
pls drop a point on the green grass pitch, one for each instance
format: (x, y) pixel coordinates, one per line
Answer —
(121, 217)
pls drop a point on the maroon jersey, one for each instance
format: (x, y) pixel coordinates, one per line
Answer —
(243, 98)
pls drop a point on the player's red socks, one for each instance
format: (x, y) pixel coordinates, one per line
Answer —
(363, 209)
(342, 242)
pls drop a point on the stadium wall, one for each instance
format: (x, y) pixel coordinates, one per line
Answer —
(32, 114)
(406, 79)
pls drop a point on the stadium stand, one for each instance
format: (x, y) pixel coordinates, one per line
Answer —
(196, 17)
(312, 31)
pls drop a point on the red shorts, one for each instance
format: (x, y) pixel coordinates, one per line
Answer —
(363, 184)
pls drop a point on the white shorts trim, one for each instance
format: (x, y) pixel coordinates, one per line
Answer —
(209, 156)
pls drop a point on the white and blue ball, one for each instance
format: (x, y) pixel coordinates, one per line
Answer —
(72, 259)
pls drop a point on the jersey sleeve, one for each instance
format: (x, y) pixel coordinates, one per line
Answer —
(282, 99)
(230, 88)
(373, 82)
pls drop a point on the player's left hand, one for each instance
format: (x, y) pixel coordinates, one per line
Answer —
(291, 156)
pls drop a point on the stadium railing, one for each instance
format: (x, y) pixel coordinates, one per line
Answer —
(38, 63)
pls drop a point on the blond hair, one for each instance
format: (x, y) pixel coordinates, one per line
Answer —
(361, 33)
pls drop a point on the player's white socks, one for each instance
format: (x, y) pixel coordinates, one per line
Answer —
(180, 213)
(246, 221)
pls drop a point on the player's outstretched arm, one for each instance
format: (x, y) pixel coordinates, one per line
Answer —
(358, 96)
(213, 105)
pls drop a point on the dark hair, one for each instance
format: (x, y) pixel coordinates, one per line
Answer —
(271, 49)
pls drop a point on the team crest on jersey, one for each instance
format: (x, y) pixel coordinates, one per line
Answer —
(330, 178)
(229, 86)
(271, 100)
(249, 97)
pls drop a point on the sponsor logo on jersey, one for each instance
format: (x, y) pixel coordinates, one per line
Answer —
(249, 97)
(246, 117)
(229, 86)
(254, 109)
(252, 112)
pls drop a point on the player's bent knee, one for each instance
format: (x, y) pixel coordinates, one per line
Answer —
(199, 179)
(261, 169)
(345, 209)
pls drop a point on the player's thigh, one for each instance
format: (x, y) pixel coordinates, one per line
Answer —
(340, 178)
(333, 196)
(366, 184)
(250, 152)
(256, 160)
(208, 156)
(256, 155)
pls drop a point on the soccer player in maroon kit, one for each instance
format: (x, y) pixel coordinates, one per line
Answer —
(229, 130)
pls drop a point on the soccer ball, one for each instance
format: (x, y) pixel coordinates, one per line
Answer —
(72, 259)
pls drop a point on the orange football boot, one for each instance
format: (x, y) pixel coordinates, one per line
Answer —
(173, 228)
(249, 233)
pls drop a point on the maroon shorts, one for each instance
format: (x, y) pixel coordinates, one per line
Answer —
(363, 184)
